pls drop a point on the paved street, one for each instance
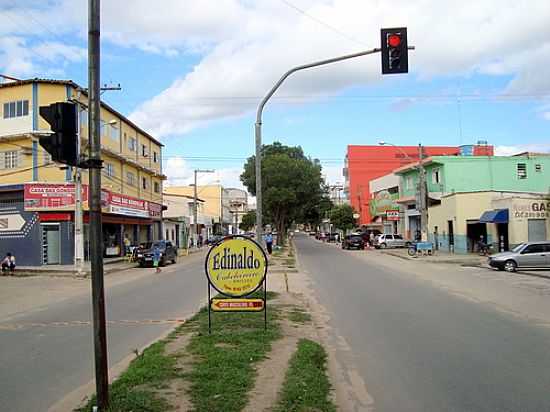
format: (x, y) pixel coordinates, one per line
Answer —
(423, 347)
(41, 364)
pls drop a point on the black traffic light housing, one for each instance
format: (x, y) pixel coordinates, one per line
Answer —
(395, 51)
(62, 144)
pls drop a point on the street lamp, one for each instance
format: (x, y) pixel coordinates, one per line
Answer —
(423, 204)
(195, 209)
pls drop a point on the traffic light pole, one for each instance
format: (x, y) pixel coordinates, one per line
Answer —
(423, 195)
(96, 236)
(258, 130)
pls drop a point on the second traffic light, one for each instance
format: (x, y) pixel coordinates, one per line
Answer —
(395, 52)
(62, 144)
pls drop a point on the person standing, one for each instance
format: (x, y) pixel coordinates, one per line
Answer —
(156, 258)
(269, 242)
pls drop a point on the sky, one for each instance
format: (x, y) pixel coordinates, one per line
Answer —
(193, 72)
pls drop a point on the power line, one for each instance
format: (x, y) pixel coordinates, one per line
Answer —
(321, 22)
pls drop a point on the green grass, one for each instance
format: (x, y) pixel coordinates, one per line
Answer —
(298, 315)
(134, 390)
(306, 387)
(223, 373)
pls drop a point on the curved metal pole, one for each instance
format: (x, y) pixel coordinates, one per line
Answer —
(258, 129)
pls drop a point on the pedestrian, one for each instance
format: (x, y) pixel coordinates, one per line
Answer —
(156, 258)
(371, 239)
(8, 264)
(126, 245)
(269, 242)
(199, 241)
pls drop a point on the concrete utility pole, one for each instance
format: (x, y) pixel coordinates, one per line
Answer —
(423, 194)
(195, 206)
(96, 236)
(258, 129)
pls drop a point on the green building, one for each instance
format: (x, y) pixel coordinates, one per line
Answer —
(462, 188)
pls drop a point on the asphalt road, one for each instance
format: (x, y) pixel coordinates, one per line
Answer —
(418, 348)
(41, 364)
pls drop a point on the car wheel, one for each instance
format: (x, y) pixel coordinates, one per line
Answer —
(162, 262)
(174, 260)
(383, 246)
(141, 264)
(510, 266)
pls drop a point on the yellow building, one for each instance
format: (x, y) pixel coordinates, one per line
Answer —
(131, 180)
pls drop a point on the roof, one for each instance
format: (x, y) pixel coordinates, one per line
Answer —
(185, 196)
(414, 165)
(84, 91)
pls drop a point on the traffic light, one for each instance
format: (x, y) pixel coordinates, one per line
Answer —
(62, 144)
(395, 52)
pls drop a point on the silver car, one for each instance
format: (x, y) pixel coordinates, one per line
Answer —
(384, 241)
(524, 255)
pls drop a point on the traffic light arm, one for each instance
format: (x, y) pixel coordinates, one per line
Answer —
(258, 128)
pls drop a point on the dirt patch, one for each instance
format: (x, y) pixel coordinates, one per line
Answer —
(176, 391)
(271, 371)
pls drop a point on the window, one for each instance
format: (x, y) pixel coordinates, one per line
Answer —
(84, 118)
(144, 182)
(130, 178)
(534, 249)
(173, 235)
(10, 159)
(144, 150)
(538, 168)
(18, 108)
(522, 170)
(155, 157)
(109, 169)
(436, 176)
(409, 182)
(47, 158)
(115, 132)
(132, 144)
(156, 187)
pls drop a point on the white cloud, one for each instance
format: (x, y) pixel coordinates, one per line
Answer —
(244, 46)
(180, 173)
(512, 150)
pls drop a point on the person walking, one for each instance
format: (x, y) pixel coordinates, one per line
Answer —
(156, 258)
(269, 242)
(8, 263)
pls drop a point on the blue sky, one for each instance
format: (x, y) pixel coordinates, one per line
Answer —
(193, 73)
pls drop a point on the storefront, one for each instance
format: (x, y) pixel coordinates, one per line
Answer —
(122, 217)
(500, 219)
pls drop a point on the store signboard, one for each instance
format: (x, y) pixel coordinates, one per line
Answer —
(128, 206)
(46, 196)
(382, 201)
(392, 214)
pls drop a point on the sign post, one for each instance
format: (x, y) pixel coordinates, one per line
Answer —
(236, 267)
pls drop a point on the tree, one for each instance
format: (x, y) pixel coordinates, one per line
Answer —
(292, 185)
(248, 221)
(341, 217)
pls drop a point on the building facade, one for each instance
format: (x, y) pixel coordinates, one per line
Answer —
(42, 192)
(502, 200)
(366, 163)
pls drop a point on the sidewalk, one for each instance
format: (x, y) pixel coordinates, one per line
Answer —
(470, 259)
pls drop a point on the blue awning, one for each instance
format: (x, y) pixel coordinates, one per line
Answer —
(494, 216)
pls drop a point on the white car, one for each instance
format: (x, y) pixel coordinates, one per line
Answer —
(384, 241)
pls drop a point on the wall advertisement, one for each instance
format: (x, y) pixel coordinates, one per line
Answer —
(45, 196)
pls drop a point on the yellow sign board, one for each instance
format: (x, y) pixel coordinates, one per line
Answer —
(236, 266)
(237, 305)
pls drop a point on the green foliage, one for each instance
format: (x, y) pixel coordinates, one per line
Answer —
(292, 185)
(248, 221)
(342, 217)
(306, 387)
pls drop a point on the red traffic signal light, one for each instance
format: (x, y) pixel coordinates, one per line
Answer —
(394, 40)
(394, 50)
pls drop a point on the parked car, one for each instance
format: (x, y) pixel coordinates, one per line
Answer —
(384, 241)
(353, 242)
(214, 239)
(524, 255)
(168, 253)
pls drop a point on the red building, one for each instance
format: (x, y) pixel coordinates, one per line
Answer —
(365, 163)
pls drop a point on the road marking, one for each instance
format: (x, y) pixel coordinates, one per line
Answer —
(17, 326)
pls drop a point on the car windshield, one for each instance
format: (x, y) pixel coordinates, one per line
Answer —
(518, 247)
(151, 245)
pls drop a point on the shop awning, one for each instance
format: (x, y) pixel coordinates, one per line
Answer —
(494, 216)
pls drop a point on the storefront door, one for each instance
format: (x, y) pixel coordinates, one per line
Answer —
(51, 248)
(536, 230)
